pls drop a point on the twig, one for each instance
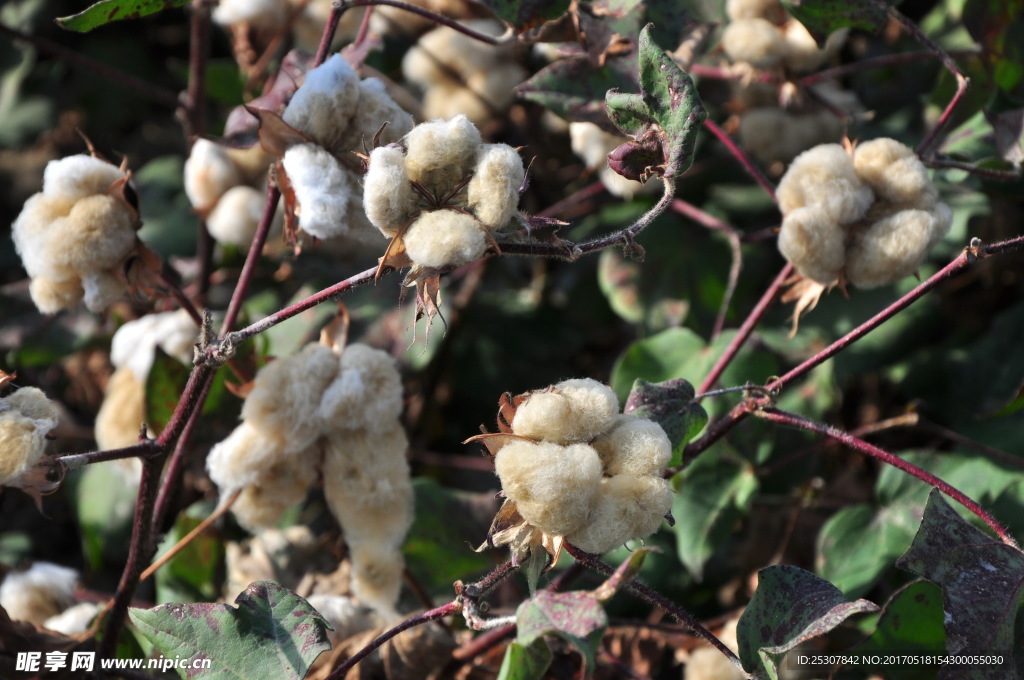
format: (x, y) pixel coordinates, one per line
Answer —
(191, 536)
(249, 268)
(330, 28)
(793, 420)
(73, 461)
(1003, 175)
(436, 18)
(742, 157)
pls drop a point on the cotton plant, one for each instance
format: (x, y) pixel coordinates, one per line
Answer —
(27, 416)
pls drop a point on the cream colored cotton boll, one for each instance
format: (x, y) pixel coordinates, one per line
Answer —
(75, 619)
(102, 289)
(376, 107)
(377, 578)
(441, 238)
(97, 234)
(755, 41)
(365, 395)
(634, 446)
(42, 591)
(594, 406)
(32, 403)
(277, 488)
(626, 507)
(893, 171)
(824, 176)
(802, 53)
(26, 416)
(257, 13)
(889, 249)
(325, 102)
(814, 244)
(440, 154)
(493, 193)
(244, 457)
(52, 295)
(572, 411)
(122, 412)
(237, 216)
(750, 9)
(341, 611)
(75, 177)
(209, 173)
(322, 190)
(33, 237)
(553, 486)
(388, 197)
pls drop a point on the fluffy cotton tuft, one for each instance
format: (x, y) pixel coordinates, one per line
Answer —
(134, 344)
(387, 195)
(244, 456)
(74, 619)
(76, 177)
(441, 153)
(626, 507)
(814, 243)
(575, 410)
(282, 485)
(825, 176)
(26, 417)
(237, 216)
(256, 13)
(44, 590)
(122, 411)
(493, 193)
(376, 107)
(634, 446)
(889, 249)
(322, 190)
(329, 93)
(754, 41)
(893, 171)
(445, 237)
(209, 173)
(365, 395)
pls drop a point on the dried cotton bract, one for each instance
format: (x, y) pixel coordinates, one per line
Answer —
(572, 467)
(26, 416)
(868, 217)
(74, 236)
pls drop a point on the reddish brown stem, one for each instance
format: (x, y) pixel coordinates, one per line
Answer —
(251, 260)
(73, 461)
(857, 444)
(742, 157)
(330, 28)
(426, 14)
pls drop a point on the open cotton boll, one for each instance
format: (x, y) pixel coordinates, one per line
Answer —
(26, 416)
(824, 176)
(626, 507)
(889, 249)
(42, 591)
(750, 9)
(366, 394)
(377, 577)
(376, 107)
(813, 243)
(209, 173)
(75, 177)
(257, 13)
(52, 295)
(573, 411)
(102, 289)
(97, 234)
(493, 193)
(441, 238)
(33, 237)
(634, 446)
(440, 154)
(236, 216)
(754, 41)
(893, 171)
(277, 488)
(322, 190)
(243, 457)
(553, 486)
(341, 611)
(325, 102)
(594, 406)
(74, 619)
(388, 197)
(134, 344)
(122, 412)
(287, 392)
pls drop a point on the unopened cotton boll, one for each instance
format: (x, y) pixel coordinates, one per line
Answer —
(813, 243)
(440, 154)
(824, 176)
(366, 394)
(42, 591)
(387, 195)
(893, 171)
(553, 486)
(754, 41)
(322, 190)
(889, 249)
(26, 416)
(440, 238)
(209, 174)
(493, 193)
(329, 94)
(626, 507)
(634, 446)
(237, 216)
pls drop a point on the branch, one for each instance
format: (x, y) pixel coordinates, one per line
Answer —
(742, 157)
(249, 268)
(436, 18)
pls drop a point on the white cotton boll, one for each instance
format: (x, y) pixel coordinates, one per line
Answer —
(134, 344)
(236, 216)
(366, 394)
(52, 295)
(441, 153)
(377, 578)
(32, 235)
(325, 102)
(97, 234)
(626, 507)
(376, 107)
(893, 171)
(802, 53)
(553, 486)
(257, 13)
(75, 177)
(890, 249)
(813, 243)
(824, 176)
(44, 590)
(750, 9)
(388, 197)
(26, 416)
(286, 395)
(493, 193)
(74, 619)
(322, 190)
(594, 406)
(209, 173)
(441, 238)
(634, 446)
(102, 289)
(755, 41)
(243, 457)
(281, 486)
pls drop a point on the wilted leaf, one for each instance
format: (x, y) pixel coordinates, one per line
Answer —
(273, 634)
(982, 581)
(671, 405)
(577, 617)
(574, 89)
(911, 623)
(524, 14)
(525, 662)
(107, 11)
(822, 17)
(789, 607)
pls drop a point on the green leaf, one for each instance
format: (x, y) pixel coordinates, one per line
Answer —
(997, 26)
(575, 89)
(910, 623)
(114, 10)
(822, 17)
(658, 358)
(671, 405)
(105, 502)
(524, 14)
(982, 581)
(576, 617)
(164, 385)
(790, 606)
(191, 575)
(273, 634)
(712, 494)
(525, 662)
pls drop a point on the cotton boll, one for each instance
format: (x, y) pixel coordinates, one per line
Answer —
(573, 411)
(545, 416)
(594, 406)
(325, 102)
(35, 595)
(74, 619)
(97, 234)
(277, 488)
(892, 170)
(52, 295)
(75, 177)
(25, 418)
(135, 342)
(122, 412)
(813, 243)
(441, 238)
(377, 577)
(209, 173)
(376, 107)
(388, 197)
(802, 53)
(366, 394)
(243, 457)
(32, 235)
(634, 446)
(256, 13)
(824, 176)
(493, 193)
(322, 190)
(237, 216)
(553, 486)
(626, 507)
(889, 249)
(751, 9)
(441, 153)
(754, 41)
(32, 403)
(345, 616)
(102, 289)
